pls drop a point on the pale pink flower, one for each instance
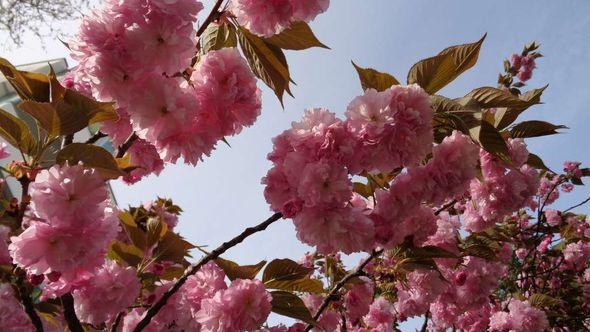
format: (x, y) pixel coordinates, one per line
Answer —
(227, 91)
(324, 183)
(553, 217)
(307, 10)
(380, 316)
(4, 254)
(243, 306)
(328, 320)
(4, 153)
(118, 130)
(358, 299)
(572, 167)
(522, 317)
(415, 297)
(263, 17)
(111, 290)
(203, 285)
(12, 315)
(144, 156)
(577, 254)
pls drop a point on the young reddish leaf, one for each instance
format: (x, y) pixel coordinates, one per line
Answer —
(285, 269)
(298, 36)
(16, 132)
(297, 285)
(434, 73)
(29, 86)
(218, 36)
(373, 79)
(172, 247)
(491, 140)
(125, 253)
(534, 128)
(290, 305)
(91, 156)
(488, 97)
(506, 116)
(235, 271)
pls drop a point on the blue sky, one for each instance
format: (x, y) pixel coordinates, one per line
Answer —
(223, 195)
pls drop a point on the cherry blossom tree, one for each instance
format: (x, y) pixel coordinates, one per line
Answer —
(453, 212)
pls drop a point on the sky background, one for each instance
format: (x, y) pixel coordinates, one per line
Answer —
(223, 195)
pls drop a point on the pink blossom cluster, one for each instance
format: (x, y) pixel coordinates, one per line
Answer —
(315, 159)
(267, 18)
(13, 316)
(523, 65)
(506, 187)
(132, 52)
(69, 205)
(521, 317)
(206, 303)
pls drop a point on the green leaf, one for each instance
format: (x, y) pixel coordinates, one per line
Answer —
(534, 128)
(298, 36)
(267, 61)
(91, 156)
(285, 269)
(234, 271)
(218, 36)
(172, 247)
(491, 140)
(125, 253)
(16, 132)
(29, 86)
(373, 79)
(290, 305)
(434, 73)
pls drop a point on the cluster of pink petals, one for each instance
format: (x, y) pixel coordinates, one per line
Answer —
(269, 17)
(524, 65)
(328, 320)
(4, 153)
(521, 317)
(393, 127)
(4, 254)
(111, 289)
(505, 189)
(12, 314)
(243, 306)
(415, 296)
(577, 254)
(358, 299)
(69, 204)
(380, 317)
(131, 51)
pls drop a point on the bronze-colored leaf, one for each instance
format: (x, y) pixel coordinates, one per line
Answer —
(218, 36)
(125, 253)
(373, 79)
(290, 305)
(234, 271)
(536, 162)
(542, 301)
(91, 156)
(267, 61)
(29, 86)
(136, 235)
(506, 116)
(16, 132)
(284, 269)
(442, 104)
(156, 229)
(172, 247)
(298, 36)
(488, 97)
(307, 285)
(362, 189)
(434, 73)
(430, 252)
(534, 128)
(491, 140)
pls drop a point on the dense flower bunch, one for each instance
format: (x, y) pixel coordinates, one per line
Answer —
(455, 212)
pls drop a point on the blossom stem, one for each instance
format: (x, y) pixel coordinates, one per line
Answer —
(330, 297)
(158, 305)
(24, 201)
(67, 301)
(25, 299)
(95, 137)
(212, 16)
(117, 321)
(577, 205)
(126, 145)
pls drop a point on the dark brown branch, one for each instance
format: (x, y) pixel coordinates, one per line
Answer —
(155, 308)
(577, 205)
(25, 299)
(117, 322)
(332, 295)
(96, 137)
(425, 324)
(68, 139)
(67, 301)
(213, 15)
(24, 199)
(126, 145)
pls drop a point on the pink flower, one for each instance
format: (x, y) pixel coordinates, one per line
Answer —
(12, 315)
(118, 130)
(307, 10)
(524, 65)
(111, 290)
(263, 17)
(184, 10)
(553, 217)
(145, 157)
(577, 254)
(380, 316)
(4, 254)
(68, 195)
(345, 229)
(243, 306)
(328, 320)
(522, 317)
(226, 89)
(422, 288)
(4, 153)
(203, 285)
(358, 299)
(324, 183)
(394, 128)
(572, 167)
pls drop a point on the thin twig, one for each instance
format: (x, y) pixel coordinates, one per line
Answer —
(578, 205)
(332, 295)
(425, 324)
(24, 199)
(126, 145)
(117, 321)
(67, 301)
(212, 16)
(95, 137)
(157, 306)
(25, 299)
(68, 139)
